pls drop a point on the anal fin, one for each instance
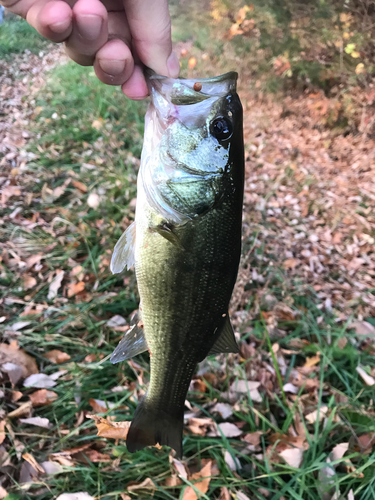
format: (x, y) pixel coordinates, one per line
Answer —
(132, 343)
(226, 341)
(123, 253)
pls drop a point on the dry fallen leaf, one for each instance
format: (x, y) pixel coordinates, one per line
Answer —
(56, 356)
(37, 421)
(32, 461)
(29, 282)
(74, 288)
(292, 456)
(200, 426)
(368, 379)
(147, 484)
(55, 284)
(201, 481)
(40, 381)
(229, 430)
(3, 493)
(108, 429)
(363, 328)
(2, 430)
(180, 468)
(80, 186)
(314, 360)
(13, 354)
(42, 397)
(291, 263)
(232, 462)
(223, 409)
(81, 495)
(312, 417)
(253, 437)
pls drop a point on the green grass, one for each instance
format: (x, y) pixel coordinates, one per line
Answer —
(16, 36)
(87, 132)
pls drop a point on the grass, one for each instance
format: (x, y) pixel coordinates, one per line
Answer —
(16, 36)
(88, 133)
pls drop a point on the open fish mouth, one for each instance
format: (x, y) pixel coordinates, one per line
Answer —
(182, 91)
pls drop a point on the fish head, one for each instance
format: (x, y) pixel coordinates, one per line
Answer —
(192, 130)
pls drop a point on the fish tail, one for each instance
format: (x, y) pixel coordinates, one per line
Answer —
(151, 426)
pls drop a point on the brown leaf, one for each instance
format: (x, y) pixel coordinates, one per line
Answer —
(172, 481)
(224, 494)
(202, 478)
(42, 397)
(200, 426)
(314, 360)
(147, 484)
(124, 496)
(3, 493)
(97, 407)
(29, 282)
(80, 186)
(363, 328)
(92, 456)
(32, 461)
(16, 395)
(13, 354)
(342, 342)
(56, 356)
(291, 263)
(2, 430)
(74, 288)
(108, 429)
(253, 437)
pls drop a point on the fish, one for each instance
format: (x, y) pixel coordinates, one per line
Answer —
(185, 244)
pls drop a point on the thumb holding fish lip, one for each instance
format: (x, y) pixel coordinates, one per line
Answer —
(150, 26)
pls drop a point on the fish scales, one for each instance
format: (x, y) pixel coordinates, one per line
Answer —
(187, 245)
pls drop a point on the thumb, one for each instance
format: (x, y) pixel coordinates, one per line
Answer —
(150, 26)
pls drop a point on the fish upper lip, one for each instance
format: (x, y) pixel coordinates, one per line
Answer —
(216, 86)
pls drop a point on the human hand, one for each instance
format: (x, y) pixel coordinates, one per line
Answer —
(115, 36)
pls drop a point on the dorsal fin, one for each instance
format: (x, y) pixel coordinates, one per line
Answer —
(132, 343)
(226, 341)
(123, 253)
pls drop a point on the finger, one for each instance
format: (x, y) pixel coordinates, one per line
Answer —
(150, 26)
(52, 19)
(135, 87)
(90, 31)
(114, 63)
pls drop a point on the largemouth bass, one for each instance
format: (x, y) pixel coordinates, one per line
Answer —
(185, 244)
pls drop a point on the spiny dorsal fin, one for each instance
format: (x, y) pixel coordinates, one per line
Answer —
(226, 341)
(123, 254)
(132, 343)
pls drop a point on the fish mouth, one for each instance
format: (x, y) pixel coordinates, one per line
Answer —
(181, 91)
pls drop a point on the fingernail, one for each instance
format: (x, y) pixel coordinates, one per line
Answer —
(89, 26)
(61, 26)
(112, 66)
(173, 65)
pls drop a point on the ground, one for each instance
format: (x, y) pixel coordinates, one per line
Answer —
(292, 415)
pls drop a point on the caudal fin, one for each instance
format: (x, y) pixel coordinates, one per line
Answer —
(150, 426)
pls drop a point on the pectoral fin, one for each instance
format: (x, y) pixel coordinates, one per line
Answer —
(123, 254)
(226, 341)
(132, 343)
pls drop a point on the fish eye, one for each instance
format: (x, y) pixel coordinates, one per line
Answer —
(221, 128)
